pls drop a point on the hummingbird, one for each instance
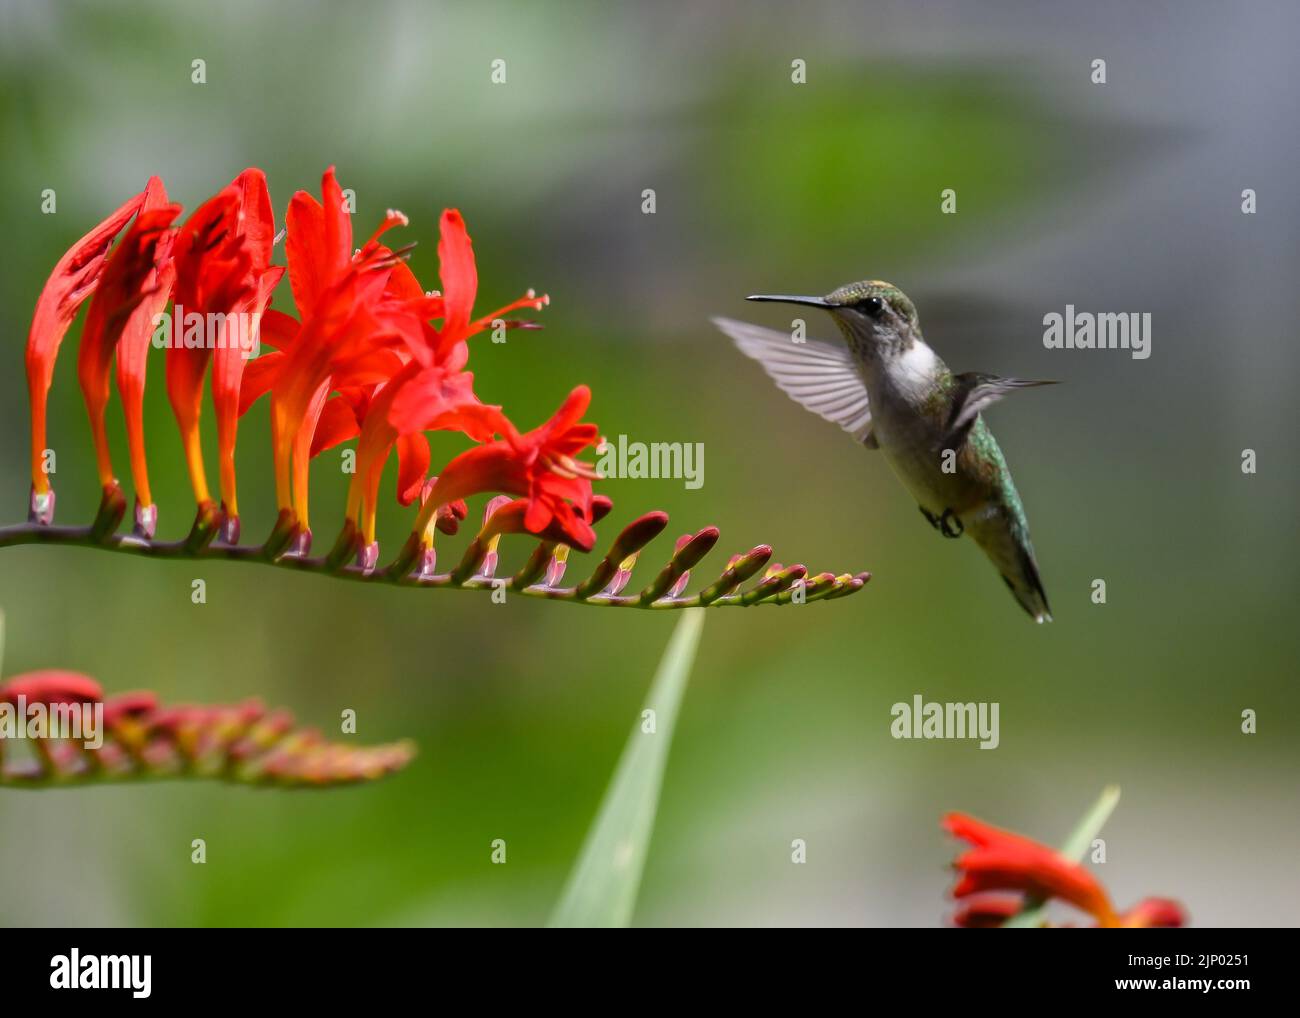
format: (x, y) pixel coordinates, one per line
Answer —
(888, 389)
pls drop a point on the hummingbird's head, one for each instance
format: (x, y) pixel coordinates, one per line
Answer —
(874, 316)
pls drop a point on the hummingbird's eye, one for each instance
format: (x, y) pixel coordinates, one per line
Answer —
(872, 307)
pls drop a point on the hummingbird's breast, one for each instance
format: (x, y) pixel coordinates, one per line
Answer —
(910, 403)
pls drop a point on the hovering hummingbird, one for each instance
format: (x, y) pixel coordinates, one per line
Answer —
(891, 392)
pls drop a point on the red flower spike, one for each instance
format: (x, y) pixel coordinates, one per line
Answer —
(372, 356)
(74, 279)
(140, 739)
(1002, 861)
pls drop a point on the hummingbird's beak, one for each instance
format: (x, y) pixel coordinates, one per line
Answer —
(783, 298)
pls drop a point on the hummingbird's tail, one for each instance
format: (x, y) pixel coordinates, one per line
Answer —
(1006, 543)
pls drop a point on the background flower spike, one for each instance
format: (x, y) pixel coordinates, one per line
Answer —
(140, 740)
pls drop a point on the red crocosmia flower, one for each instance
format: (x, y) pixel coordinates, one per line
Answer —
(132, 290)
(446, 402)
(73, 280)
(431, 392)
(132, 356)
(224, 281)
(538, 465)
(256, 226)
(1154, 912)
(347, 321)
(1002, 861)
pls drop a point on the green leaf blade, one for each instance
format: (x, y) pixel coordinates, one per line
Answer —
(602, 888)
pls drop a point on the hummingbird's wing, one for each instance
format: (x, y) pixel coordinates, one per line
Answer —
(973, 392)
(819, 376)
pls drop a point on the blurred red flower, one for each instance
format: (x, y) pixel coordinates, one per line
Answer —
(1002, 861)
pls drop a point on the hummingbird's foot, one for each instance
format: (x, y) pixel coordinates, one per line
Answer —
(930, 517)
(946, 523)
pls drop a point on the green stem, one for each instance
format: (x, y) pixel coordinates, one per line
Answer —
(130, 544)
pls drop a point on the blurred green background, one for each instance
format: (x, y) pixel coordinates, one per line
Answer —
(1115, 197)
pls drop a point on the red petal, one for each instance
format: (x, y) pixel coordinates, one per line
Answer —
(403, 285)
(338, 224)
(256, 217)
(338, 423)
(412, 466)
(571, 411)
(259, 376)
(304, 244)
(458, 273)
(279, 331)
